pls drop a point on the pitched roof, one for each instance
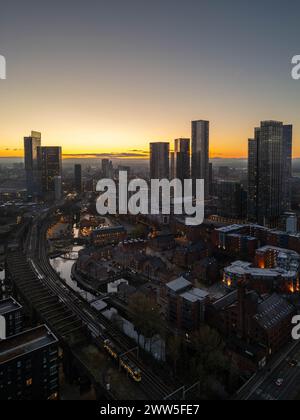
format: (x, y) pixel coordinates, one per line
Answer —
(272, 311)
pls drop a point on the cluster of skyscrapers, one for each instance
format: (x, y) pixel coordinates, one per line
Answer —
(269, 169)
(43, 166)
(190, 158)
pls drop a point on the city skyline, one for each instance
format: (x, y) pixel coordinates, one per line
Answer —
(135, 153)
(107, 80)
(150, 203)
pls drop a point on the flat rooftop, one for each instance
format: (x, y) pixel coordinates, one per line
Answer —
(231, 228)
(25, 343)
(242, 268)
(9, 305)
(195, 295)
(179, 284)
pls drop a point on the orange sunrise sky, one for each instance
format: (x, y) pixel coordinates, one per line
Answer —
(115, 76)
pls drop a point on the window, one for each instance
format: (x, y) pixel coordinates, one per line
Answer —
(29, 382)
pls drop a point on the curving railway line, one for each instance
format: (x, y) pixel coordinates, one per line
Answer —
(99, 327)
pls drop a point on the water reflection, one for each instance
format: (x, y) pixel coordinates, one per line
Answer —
(64, 269)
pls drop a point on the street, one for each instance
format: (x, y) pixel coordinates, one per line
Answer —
(264, 387)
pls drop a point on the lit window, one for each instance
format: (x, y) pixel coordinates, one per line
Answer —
(53, 396)
(29, 382)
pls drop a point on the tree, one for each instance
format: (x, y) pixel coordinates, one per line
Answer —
(174, 349)
(140, 231)
(145, 316)
(209, 362)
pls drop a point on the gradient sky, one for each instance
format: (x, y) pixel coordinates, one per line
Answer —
(108, 76)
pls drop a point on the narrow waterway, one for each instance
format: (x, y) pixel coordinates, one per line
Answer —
(64, 269)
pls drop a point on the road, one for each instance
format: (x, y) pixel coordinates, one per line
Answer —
(263, 386)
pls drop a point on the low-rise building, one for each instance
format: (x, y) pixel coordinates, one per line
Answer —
(260, 321)
(274, 269)
(274, 257)
(228, 238)
(108, 235)
(235, 240)
(262, 280)
(185, 305)
(187, 255)
(162, 241)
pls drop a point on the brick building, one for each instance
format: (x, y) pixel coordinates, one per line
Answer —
(185, 305)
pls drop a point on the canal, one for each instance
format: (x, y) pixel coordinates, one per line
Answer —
(64, 268)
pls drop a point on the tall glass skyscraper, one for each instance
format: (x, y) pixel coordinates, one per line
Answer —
(182, 159)
(78, 178)
(200, 152)
(31, 145)
(288, 152)
(159, 160)
(50, 166)
(269, 173)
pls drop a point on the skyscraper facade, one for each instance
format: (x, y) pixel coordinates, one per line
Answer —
(182, 159)
(31, 145)
(269, 173)
(211, 179)
(253, 178)
(159, 160)
(288, 150)
(200, 153)
(78, 178)
(107, 168)
(58, 193)
(231, 199)
(50, 166)
(172, 166)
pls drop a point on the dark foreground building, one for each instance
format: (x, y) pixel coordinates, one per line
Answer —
(261, 321)
(29, 366)
(11, 318)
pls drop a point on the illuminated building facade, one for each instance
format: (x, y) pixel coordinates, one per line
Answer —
(108, 235)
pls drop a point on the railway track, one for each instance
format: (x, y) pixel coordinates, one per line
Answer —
(98, 325)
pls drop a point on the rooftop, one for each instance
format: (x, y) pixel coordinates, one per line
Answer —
(231, 228)
(226, 300)
(279, 250)
(195, 295)
(240, 268)
(179, 284)
(26, 342)
(9, 305)
(109, 229)
(272, 311)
